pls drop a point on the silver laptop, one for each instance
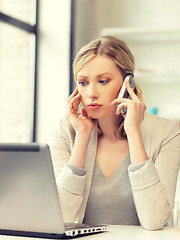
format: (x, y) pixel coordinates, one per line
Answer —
(29, 203)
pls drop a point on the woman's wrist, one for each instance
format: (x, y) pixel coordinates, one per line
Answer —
(78, 155)
(83, 135)
(132, 131)
(136, 147)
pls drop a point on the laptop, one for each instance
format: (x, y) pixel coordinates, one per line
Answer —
(29, 202)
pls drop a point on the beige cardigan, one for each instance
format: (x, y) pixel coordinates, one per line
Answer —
(153, 185)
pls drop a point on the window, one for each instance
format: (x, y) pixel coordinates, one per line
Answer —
(18, 44)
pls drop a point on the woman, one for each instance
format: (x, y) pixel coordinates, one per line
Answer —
(111, 167)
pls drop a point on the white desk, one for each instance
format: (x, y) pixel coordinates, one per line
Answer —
(121, 233)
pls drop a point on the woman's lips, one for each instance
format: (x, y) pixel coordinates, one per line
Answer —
(94, 106)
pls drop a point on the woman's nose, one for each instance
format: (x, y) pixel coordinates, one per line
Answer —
(93, 92)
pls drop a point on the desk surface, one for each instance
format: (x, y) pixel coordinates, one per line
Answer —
(122, 233)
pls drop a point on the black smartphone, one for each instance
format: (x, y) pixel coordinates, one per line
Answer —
(123, 93)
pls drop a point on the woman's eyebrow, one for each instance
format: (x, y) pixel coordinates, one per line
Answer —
(100, 75)
(81, 76)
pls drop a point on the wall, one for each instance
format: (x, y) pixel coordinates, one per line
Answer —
(142, 13)
(85, 23)
(53, 65)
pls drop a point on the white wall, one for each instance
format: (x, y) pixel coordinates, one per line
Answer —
(53, 65)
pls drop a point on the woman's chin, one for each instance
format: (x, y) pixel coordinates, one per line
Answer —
(95, 116)
(91, 115)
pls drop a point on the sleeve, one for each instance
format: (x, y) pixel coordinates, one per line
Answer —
(76, 170)
(154, 183)
(70, 185)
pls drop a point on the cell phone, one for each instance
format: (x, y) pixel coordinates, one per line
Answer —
(123, 93)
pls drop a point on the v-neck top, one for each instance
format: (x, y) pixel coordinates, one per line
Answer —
(110, 200)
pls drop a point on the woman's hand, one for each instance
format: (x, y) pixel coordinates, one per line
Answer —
(135, 110)
(81, 124)
(132, 122)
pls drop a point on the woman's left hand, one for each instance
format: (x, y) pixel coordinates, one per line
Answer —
(135, 110)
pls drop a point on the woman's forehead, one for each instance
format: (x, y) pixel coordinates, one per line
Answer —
(99, 64)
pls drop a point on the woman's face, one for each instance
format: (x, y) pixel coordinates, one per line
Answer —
(98, 83)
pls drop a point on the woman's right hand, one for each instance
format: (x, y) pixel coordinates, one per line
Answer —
(81, 124)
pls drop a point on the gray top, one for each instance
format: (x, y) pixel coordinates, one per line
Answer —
(113, 195)
(111, 200)
(153, 185)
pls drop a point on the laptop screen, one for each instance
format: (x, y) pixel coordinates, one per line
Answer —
(29, 199)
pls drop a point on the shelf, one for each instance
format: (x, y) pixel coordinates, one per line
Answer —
(157, 78)
(143, 34)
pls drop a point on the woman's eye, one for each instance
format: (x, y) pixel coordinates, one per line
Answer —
(82, 83)
(103, 81)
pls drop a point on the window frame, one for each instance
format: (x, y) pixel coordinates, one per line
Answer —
(31, 29)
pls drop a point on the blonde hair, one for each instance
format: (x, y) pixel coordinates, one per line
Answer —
(119, 53)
